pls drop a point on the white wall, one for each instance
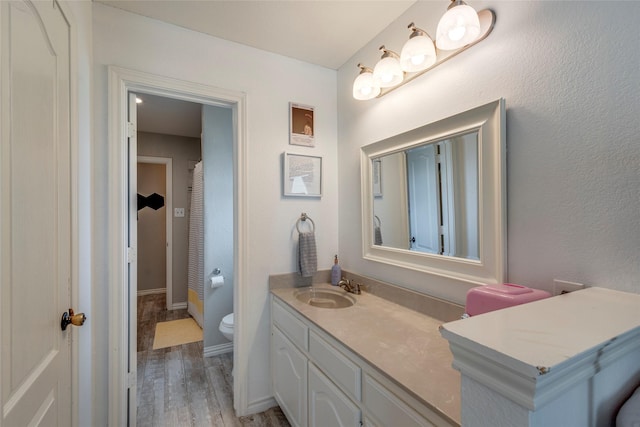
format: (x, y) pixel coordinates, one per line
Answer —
(572, 124)
(569, 72)
(182, 150)
(217, 155)
(391, 207)
(152, 229)
(82, 62)
(270, 82)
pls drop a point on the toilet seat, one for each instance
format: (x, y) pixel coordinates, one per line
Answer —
(226, 326)
(227, 321)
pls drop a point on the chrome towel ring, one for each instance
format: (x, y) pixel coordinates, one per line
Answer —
(304, 217)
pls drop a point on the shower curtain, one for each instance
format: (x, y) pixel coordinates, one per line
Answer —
(196, 248)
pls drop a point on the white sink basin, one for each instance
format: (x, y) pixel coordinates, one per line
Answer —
(325, 298)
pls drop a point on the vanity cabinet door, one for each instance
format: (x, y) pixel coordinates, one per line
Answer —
(289, 376)
(328, 406)
(386, 408)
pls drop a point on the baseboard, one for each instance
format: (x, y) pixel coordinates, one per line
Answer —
(214, 350)
(179, 306)
(261, 405)
(152, 291)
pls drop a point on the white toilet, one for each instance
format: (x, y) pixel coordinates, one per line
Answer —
(226, 326)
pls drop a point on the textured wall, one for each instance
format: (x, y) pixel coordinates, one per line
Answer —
(152, 231)
(84, 396)
(569, 73)
(182, 150)
(217, 154)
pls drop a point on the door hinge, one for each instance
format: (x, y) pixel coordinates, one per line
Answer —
(131, 379)
(131, 255)
(131, 130)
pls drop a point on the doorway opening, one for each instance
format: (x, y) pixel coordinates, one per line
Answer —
(122, 259)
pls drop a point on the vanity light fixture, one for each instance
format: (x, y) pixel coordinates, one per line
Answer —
(459, 28)
(419, 53)
(363, 87)
(388, 72)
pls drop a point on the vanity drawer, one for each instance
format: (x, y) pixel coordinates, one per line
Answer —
(336, 365)
(290, 325)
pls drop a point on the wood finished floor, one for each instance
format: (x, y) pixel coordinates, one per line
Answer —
(179, 387)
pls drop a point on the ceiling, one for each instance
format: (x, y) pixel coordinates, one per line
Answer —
(169, 116)
(322, 32)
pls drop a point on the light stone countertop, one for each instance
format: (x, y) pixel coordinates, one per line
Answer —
(401, 343)
(544, 335)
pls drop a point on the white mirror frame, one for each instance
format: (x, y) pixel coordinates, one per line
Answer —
(490, 122)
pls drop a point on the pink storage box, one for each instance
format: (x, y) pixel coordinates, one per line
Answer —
(494, 297)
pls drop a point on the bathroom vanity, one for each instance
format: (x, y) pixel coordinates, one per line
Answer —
(570, 360)
(375, 363)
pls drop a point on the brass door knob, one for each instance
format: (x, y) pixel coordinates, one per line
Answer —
(72, 318)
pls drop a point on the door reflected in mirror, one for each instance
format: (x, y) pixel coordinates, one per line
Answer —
(432, 202)
(432, 205)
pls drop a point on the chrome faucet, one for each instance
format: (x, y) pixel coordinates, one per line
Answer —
(350, 286)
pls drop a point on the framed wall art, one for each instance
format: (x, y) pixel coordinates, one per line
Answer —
(302, 175)
(377, 178)
(301, 125)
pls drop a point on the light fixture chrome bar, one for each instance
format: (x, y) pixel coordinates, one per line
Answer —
(487, 21)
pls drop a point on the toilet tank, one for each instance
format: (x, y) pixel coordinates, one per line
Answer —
(494, 297)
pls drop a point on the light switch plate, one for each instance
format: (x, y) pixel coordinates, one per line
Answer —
(178, 212)
(563, 287)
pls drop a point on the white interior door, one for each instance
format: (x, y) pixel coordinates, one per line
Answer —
(35, 214)
(132, 282)
(422, 182)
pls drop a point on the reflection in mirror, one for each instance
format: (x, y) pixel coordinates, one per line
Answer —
(434, 198)
(433, 207)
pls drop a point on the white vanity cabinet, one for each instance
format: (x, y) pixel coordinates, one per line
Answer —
(386, 407)
(289, 343)
(328, 406)
(319, 382)
(289, 371)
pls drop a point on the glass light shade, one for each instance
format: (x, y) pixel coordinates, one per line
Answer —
(457, 28)
(387, 72)
(418, 54)
(364, 87)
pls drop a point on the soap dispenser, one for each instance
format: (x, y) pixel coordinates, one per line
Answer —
(336, 272)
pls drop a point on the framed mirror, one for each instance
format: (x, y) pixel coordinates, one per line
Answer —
(434, 198)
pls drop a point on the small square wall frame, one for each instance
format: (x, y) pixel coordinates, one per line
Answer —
(302, 175)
